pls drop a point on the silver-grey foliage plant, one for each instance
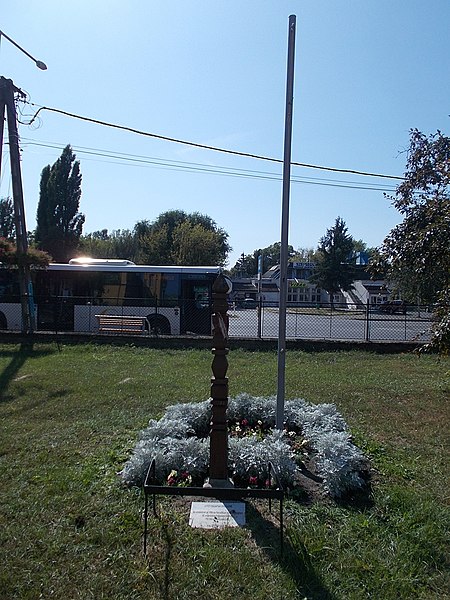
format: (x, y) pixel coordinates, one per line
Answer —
(179, 441)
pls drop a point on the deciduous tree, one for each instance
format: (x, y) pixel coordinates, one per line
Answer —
(176, 237)
(10, 257)
(193, 244)
(121, 243)
(247, 264)
(415, 256)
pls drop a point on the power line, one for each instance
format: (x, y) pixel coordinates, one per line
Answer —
(139, 160)
(203, 146)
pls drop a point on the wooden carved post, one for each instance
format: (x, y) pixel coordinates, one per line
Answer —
(218, 461)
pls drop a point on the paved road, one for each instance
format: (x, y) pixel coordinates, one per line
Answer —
(244, 323)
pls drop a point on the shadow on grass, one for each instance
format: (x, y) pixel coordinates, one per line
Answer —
(358, 502)
(25, 352)
(295, 562)
(37, 403)
(164, 587)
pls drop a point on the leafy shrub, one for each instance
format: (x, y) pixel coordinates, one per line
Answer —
(440, 333)
(10, 256)
(249, 458)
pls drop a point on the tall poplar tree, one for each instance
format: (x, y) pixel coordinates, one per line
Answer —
(59, 223)
(7, 225)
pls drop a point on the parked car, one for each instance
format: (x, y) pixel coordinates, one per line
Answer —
(393, 306)
(248, 303)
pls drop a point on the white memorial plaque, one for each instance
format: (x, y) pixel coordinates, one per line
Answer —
(217, 515)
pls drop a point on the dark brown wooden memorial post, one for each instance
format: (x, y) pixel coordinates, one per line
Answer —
(218, 453)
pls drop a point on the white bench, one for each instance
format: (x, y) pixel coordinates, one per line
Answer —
(122, 324)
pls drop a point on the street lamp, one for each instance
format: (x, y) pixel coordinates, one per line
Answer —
(38, 63)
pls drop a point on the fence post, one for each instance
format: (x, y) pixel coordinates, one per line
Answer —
(331, 320)
(259, 317)
(366, 332)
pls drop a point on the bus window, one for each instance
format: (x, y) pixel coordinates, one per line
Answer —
(134, 292)
(9, 286)
(201, 296)
(100, 288)
(195, 307)
(113, 288)
(163, 287)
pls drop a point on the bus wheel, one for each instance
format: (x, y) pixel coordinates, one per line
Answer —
(3, 323)
(158, 325)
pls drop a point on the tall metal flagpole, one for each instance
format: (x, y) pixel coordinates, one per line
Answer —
(285, 225)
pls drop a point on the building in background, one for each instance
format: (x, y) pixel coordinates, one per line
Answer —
(301, 292)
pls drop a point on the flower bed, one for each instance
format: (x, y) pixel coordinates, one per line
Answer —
(313, 434)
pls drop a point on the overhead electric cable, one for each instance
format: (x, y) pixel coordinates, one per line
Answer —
(167, 164)
(203, 146)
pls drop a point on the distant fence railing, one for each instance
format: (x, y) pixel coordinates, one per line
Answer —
(250, 320)
(334, 322)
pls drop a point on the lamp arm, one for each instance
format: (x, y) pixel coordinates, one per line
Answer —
(38, 63)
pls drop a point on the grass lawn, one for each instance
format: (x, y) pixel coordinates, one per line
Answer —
(68, 530)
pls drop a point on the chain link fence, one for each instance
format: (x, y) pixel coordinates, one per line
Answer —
(334, 322)
(252, 320)
(81, 315)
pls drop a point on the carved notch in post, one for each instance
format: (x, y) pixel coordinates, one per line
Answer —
(218, 458)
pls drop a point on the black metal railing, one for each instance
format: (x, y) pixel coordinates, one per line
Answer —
(228, 493)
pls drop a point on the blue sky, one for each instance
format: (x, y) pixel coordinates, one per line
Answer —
(213, 72)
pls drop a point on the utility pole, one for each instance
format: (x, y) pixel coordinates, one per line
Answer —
(7, 103)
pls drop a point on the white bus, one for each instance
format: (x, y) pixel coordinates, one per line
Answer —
(67, 297)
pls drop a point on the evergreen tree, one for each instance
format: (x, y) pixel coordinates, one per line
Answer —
(334, 269)
(59, 224)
